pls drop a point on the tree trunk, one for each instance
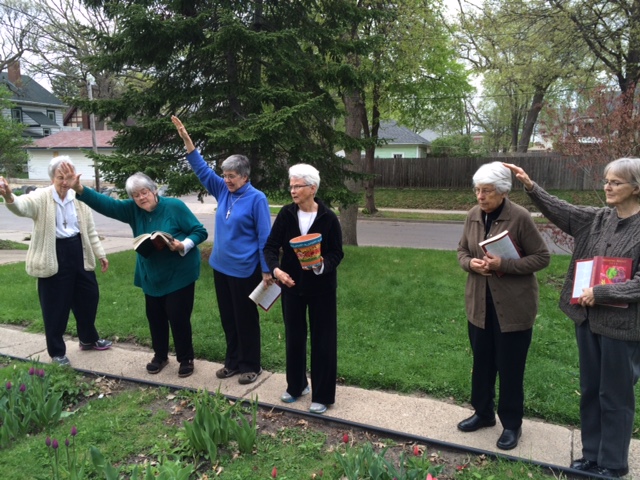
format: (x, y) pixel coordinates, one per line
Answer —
(530, 121)
(370, 152)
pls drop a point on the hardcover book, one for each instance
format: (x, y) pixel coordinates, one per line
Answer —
(265, 297)
(147, 243)
(600, 271)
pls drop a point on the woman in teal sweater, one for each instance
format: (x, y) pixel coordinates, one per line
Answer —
(167, 277)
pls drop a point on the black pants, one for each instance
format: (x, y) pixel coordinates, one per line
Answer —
(171, 310)
(72, 289)
(504, 354)
(323, 326)
(609, 369)
(240, 320)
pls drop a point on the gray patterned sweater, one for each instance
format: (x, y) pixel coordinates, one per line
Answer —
(598, 231)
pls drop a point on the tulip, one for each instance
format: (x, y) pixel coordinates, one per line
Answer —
(54, 444)
(23, 387)
(66, 442)
(74, 431)
(345, 438)
(32, 371)
(274, 472)
(47, 442)
(416, 450)
(41, 373)
(430, 477)
(8, 385)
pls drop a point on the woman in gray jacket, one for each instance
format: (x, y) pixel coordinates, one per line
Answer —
(608, 337)
(501, 299)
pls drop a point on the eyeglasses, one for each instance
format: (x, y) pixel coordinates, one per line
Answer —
(613, 183)
(483, 191)
(295, 188)
(141, 193)
(229, 176)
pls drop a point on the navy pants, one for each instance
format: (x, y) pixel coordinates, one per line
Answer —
(240, 320)
(72, 289)
(323, 327)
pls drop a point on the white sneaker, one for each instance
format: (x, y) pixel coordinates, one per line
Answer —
(286, 398)
(318, 408)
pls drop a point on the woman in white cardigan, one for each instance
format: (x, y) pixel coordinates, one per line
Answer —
(62, 256)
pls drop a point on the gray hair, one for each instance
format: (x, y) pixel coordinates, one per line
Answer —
(55, 162)
(305, 172)
(494, 173)
(139, 181)
(237, 163)
(627, 168)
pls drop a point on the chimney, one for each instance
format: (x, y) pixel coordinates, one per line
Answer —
(14, 74)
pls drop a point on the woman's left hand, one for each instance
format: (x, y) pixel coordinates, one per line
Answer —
(176, 246)
(267, 279)
(493, 261)
(104, 264)
(587, 299)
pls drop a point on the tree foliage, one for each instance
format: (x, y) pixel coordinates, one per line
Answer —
(13, 156)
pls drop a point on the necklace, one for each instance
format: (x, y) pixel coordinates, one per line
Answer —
(64, 217)
(233, 203)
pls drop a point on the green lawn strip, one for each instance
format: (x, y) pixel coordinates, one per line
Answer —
(401, 325)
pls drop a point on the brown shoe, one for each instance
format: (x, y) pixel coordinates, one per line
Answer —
(225, 372)
(248, 377)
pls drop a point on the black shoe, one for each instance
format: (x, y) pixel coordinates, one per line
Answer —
(583, 464)
(186, 368)
(609, 472)
(156, 365)
(475, 422)
(509, 439)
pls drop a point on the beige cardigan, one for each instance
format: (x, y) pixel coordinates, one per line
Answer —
(39, 205)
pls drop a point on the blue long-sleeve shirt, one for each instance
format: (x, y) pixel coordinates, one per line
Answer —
(239, 237)
(164, 271)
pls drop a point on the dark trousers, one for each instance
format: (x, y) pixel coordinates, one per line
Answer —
(323, 326)
(609, 370)
(240, 320)
(504, 354)
(72, 289)
(171, 310)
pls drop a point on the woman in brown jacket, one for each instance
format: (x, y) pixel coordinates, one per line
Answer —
(501, 301)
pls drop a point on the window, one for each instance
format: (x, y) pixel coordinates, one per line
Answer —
(51, 114)
(46, 132)
(397, 155)
(16, 114)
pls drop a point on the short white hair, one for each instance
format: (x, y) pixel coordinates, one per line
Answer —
(494, 173)
(308, 173)
(55, 162)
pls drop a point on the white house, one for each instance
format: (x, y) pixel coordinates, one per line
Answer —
(71, 143)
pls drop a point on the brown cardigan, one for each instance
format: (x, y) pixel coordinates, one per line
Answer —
(515, 294)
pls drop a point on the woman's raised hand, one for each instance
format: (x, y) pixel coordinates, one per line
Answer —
(184, 135)
(520, 175)
(5, 190)
(71, 177)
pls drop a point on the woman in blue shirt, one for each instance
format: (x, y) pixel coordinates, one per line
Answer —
(168, 276)
(243, 222)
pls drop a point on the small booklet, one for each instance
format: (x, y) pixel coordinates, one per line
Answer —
(147, 243)
(600, 271)
(265, 297)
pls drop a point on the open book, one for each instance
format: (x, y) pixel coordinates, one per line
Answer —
(501, 245)
(147, 243)
(600, 271)
(265, 297)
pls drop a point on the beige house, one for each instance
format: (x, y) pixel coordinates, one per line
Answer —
(72, 143)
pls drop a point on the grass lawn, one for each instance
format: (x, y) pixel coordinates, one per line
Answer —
(402, 325)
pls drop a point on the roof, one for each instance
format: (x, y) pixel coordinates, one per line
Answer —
(398, 135)
(76, 139)
(31, 91)
(40, 118)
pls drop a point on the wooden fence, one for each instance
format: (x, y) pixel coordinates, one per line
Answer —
(549, 171)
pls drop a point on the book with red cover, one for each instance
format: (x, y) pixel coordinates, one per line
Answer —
(600, 271)
(501, 245)
(147, 243)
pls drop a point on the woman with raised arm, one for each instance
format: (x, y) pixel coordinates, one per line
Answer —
(608, 337)
(243, 222)
(62, 256)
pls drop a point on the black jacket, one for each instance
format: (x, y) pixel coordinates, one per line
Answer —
(284, 229)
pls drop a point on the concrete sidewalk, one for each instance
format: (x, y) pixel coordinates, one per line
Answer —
(416, 415)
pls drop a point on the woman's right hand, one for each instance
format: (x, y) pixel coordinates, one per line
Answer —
(71, 177)
(480, 266)
(520, 175)
(5, 190)
(283, 277)
(184, 135)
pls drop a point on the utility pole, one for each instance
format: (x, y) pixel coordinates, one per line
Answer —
(92, 125)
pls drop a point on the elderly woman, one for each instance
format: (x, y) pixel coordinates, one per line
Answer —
(501, 302)
(62, 256)
(308, 289)
(167, 276)
(242, 225)
(608, 337)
